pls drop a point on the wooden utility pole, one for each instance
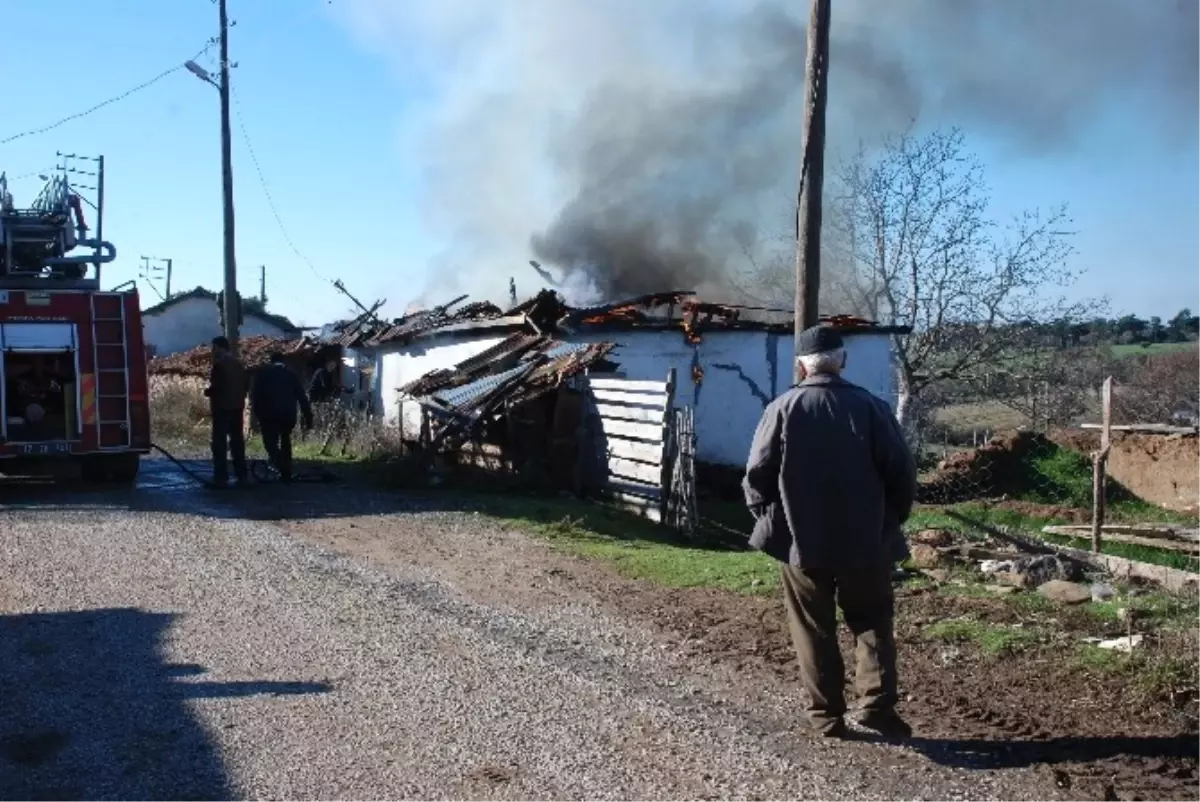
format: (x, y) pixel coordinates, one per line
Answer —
(231, 296)
(812, 171)
(1100, 466)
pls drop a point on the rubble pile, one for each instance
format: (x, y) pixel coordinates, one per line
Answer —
(254, 352)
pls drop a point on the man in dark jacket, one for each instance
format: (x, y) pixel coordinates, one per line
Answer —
(830, 480)
(227, 403)
(324, 384)
(325, 391)
(277, 392)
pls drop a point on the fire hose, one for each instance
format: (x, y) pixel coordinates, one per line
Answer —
(262, 471)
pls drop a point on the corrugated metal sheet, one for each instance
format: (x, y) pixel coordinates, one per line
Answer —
(542, 363)
(460, 399)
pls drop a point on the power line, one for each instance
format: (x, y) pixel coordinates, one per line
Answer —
(267, 192)
(98, 106)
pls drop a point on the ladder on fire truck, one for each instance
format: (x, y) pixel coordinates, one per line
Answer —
(111, 364)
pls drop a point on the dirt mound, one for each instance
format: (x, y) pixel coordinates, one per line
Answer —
(1000, 467)
(1161, 469)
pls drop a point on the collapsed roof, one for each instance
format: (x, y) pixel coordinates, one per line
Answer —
(520, 368)
(547, 313)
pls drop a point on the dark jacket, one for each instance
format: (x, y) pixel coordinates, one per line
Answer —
(227, 384)
(323, 387)
(830, 478)
(276, 394)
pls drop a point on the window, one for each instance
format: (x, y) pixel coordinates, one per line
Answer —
(37, 337)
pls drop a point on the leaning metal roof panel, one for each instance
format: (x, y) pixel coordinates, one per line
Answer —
(461, 398)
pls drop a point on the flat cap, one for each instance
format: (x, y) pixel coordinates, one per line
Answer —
(818, 340)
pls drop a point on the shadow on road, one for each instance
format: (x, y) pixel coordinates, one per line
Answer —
(163, 487)
(984, 753)
(91, 710)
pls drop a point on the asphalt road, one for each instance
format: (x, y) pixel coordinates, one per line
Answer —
(172, 643)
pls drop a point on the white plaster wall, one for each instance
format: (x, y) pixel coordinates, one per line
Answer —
(397, 366)
(193, 322)
(743, 371)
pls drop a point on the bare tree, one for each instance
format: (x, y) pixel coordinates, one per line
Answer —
(925, 255)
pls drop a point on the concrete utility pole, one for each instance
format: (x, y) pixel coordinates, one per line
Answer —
(262, 285)
(231, 296)
(812, 170)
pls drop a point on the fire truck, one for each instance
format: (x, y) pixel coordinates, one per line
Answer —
(72, 358)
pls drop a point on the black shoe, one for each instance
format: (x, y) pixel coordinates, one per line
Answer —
(887, 723)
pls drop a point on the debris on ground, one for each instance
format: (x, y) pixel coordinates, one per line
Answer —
(933, 537)
(924, 556)
(1063, 592)
(1031, 572)
(1125, 644)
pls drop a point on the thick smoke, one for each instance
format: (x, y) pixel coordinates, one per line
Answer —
(643, 146)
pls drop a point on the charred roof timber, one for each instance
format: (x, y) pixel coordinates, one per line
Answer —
(548, 314)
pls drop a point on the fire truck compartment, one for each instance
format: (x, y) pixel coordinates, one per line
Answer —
(40, 372)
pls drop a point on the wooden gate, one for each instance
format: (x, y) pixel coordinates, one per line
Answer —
(632, 441)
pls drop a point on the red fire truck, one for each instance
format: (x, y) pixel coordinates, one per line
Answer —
(72, 358)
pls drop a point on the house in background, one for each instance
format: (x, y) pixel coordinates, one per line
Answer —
(192, 319)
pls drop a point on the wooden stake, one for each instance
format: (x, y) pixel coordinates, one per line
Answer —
(1100, 465)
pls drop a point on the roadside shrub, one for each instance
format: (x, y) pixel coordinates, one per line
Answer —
(178, 409)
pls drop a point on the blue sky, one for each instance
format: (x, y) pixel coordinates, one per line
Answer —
(334, 107)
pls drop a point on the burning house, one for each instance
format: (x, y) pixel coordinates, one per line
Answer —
(728, 365)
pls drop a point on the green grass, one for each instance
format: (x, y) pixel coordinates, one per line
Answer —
(1151, 609)
(1155, 348)
(307, 450)
(935, 517)
(991, 640)
(636, 547)
(1029, 525)
(1152, 676)
(1130, 551)
(1090, 657)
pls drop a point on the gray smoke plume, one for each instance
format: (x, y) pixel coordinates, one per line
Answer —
(644, 146)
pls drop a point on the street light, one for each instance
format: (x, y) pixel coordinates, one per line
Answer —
(201, 73)
(230, 306)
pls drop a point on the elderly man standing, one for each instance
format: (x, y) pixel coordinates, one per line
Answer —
(830, 480)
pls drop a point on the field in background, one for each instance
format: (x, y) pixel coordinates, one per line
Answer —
(1153, 349)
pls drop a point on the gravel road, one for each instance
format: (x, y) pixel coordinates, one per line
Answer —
(167, 643)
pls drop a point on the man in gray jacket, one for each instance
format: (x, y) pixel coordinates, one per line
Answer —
(830, 480)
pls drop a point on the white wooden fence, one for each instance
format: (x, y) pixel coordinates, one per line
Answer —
(634, 433)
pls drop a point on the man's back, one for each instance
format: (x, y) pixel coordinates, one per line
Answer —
(843, 476)
(228, 383)
(277, 394)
